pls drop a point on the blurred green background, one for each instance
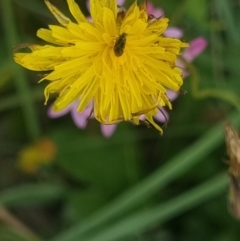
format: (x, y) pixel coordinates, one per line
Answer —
(135, 185)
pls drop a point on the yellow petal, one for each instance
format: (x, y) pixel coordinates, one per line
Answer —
(76, 11)
(46, 35)
(95, 11)
(62, 19)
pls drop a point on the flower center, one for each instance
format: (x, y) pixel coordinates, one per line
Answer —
(120, 45)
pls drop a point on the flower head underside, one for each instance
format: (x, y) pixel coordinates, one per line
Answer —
(120, 60)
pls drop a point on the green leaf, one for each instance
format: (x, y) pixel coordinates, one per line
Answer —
(31, 195)
(95, 160)
(85, 202)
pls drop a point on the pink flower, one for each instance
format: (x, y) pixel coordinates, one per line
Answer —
(81, 119)
(196, 47)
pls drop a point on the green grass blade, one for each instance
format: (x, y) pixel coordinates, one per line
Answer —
(225, 13)
(23, 89)
(142, 221)
(5, 74)
(31, 195)
(13, 101)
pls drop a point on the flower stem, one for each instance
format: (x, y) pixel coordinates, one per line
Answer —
(225, 95)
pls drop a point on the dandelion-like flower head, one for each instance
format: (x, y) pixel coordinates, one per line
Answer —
(120, 60)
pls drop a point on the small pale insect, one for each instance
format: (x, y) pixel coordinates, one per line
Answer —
(233, 151)
(21, 46)
(120, 45)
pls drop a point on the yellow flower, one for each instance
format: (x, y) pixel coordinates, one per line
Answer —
(32, 157)
(120, 60)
